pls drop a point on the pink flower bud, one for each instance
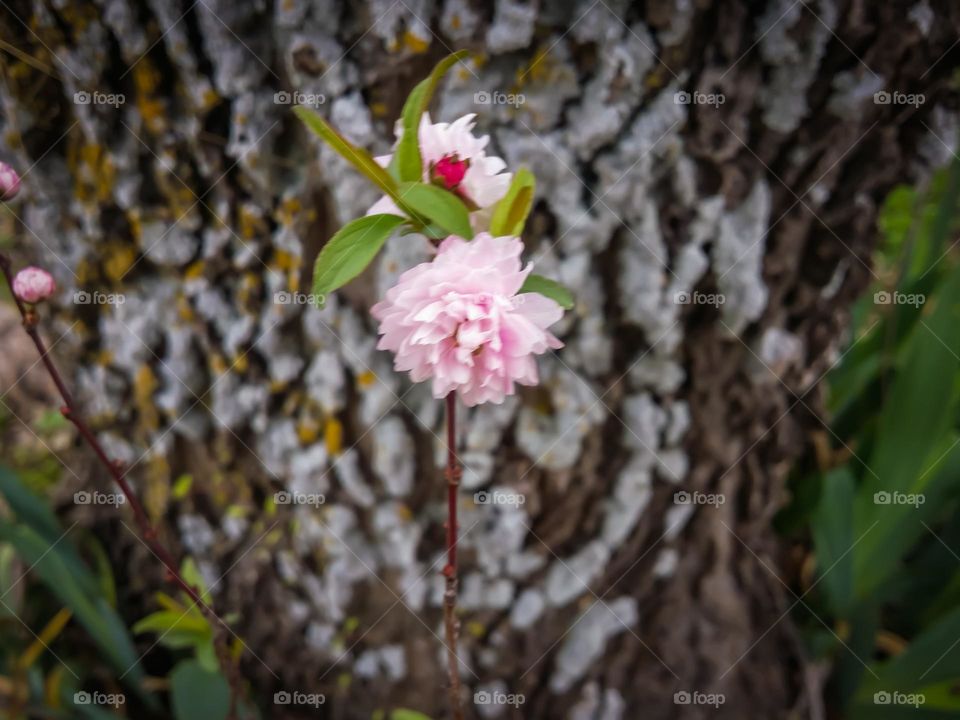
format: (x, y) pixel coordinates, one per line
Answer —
(9, 182)
(33, 285)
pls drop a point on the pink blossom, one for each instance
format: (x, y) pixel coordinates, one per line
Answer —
(456, 159)
(33, 284)
(459, 320)
(9, 182)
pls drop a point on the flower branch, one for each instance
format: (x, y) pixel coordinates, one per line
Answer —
(29, 287)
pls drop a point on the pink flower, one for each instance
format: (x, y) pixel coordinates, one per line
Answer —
(9, 182)
(459, 320)
(33, 284)
(457, 161)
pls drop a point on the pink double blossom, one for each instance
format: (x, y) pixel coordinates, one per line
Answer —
(460, 322)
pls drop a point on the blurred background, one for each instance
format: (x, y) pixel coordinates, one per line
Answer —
(733, 494)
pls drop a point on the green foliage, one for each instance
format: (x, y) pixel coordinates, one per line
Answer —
(35, 535)
(883, 526)
(350, 250)
(548, 288)
(197, 693)
(510, 214)
(439, 207)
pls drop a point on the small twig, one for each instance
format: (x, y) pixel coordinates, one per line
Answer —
(450, 622)
(118, 473)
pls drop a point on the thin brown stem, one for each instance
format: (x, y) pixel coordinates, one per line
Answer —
(450, 623)
(117, 471)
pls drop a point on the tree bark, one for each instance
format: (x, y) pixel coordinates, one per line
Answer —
(684, 153)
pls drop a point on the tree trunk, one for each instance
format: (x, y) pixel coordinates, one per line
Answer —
(709, 175)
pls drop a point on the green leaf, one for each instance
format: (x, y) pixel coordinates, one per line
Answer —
(440, 207)
(358, 157)
(350, 250)
(548, 288)
(510, 214)
(197, 693)
(931, 658)
(91, 610)
(406, 164)
(169, 620)
(832, 539)
(404, 714)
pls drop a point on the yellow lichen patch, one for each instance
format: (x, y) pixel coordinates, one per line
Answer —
(218, 364)
(656, 79)
(366, 379)
(85, 272)
(194, 271)
(379, 109)
(308, 430)
(333, 435)
(157, 495)
(289, 208)
(104, 357)
(249, 288)
(184, 310)
(284, 260)
(405, 513)
(146, 80)
(144, 385)
(241, 363)
(209, 100)
(78, 16)
(93, 172)
(251, 223)
(455, 21)
(119, 259)
(414, 43)
(539, 69)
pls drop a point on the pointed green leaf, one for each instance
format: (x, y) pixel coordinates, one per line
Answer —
(358, 157)
(407, 164)
(197, 693)
(438, 206)
(510, 214)
(549, 288)
(350, 250)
